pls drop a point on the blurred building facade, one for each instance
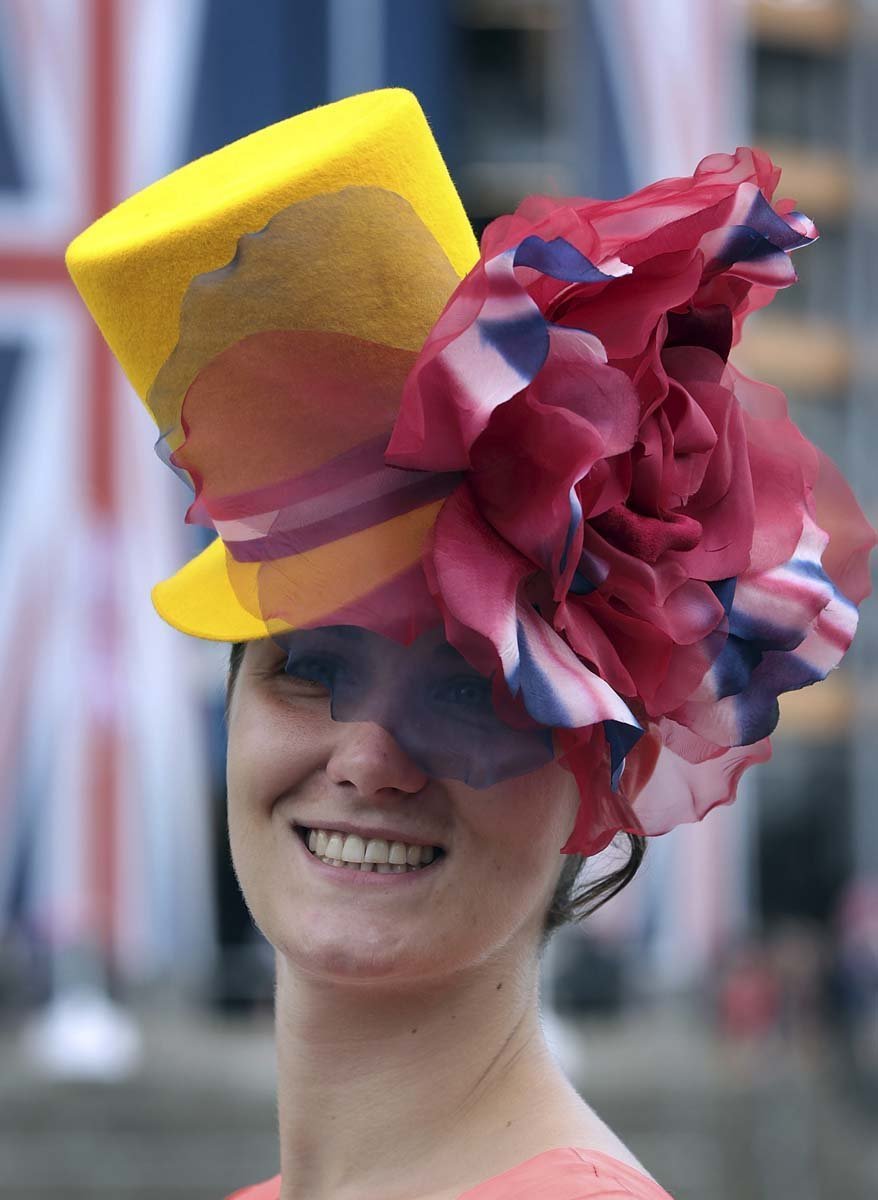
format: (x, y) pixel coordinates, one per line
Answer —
(813, 71)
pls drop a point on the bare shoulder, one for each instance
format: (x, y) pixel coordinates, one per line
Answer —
(571, 1121)
(513, 1173)
(594, 1134)
(553, 1117)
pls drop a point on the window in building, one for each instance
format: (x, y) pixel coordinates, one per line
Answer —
(822, 268)
(804, 845)
(800, 96)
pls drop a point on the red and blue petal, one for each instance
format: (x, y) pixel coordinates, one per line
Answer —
(788, 627)
(467, 559)
(489, 344)
(636, 538)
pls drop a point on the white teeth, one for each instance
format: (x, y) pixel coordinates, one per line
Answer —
(376, 851)
(334, 846)
(353, 849)
(381, 868)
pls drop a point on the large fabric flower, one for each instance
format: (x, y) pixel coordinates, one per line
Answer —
(643, 546)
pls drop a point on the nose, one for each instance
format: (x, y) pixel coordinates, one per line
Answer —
(367, 757)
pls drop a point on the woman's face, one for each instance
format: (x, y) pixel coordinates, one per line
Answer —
(290, 763)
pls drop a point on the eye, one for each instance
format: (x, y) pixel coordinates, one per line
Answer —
(318, 672)
(467, 692)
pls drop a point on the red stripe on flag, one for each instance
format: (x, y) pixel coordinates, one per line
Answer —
(103, 738)
(103, 196)
(31, 268)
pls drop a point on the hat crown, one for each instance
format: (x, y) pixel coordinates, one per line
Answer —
(134, 265)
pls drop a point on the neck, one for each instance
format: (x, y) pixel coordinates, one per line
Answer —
(390, 1092)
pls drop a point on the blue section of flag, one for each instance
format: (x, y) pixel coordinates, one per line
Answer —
(11, 172)
(419, 55)
(11, 360)
(258, 66)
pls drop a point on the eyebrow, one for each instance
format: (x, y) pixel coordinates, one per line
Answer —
(348, 633)
(447, 651)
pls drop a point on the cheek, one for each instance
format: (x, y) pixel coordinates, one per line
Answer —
(539, 809)
(272, 751)
(525, 822)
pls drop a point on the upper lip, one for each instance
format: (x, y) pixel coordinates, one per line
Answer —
(370, 831)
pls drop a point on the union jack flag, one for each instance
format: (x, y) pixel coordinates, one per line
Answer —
(103, 792)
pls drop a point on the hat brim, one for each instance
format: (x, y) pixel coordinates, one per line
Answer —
(217, 598)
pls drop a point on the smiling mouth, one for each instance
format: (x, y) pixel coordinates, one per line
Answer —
(432, 854)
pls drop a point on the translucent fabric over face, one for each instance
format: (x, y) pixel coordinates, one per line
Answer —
(438, 708)
(277, 404)
(276, 407)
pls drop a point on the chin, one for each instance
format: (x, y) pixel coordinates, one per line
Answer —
(349, 956)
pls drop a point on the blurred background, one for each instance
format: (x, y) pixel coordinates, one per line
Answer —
(722, 1013)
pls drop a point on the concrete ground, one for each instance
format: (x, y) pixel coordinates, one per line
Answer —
(198, 1120)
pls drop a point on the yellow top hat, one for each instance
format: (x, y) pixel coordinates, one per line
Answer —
(331, 239)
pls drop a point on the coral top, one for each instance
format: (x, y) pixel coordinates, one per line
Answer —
(564, 1174)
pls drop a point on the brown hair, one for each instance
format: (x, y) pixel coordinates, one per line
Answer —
(571, 902)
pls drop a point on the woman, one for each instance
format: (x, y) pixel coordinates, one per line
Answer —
(411, 1058)
(513, 560)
